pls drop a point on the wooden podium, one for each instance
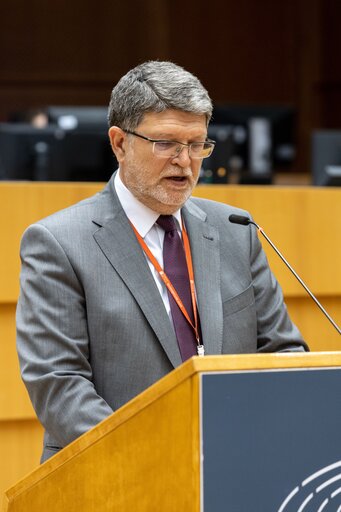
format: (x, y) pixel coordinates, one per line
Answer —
(250, 432)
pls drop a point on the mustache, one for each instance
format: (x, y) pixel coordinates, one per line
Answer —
(177, 172)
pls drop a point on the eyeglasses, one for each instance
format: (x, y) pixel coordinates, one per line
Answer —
(173, 148)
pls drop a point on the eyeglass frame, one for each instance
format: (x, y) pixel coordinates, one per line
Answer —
(209, 141)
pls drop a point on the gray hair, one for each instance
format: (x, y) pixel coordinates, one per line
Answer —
(156, 86)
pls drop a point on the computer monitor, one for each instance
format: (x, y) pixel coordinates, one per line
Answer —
(217, 167)
(252, 141)
(78, 117)
(53, 154)
(85, 156)
(26, 152)
(326, 158)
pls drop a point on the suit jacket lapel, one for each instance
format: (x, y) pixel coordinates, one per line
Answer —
(119, 244)
(204, 241)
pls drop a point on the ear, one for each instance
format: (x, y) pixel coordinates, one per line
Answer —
(118, 141)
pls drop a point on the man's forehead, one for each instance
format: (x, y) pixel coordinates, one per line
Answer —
(174, 120)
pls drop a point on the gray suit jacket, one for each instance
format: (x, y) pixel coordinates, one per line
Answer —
(92, 330)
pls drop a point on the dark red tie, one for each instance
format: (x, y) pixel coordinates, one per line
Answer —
(175, 266)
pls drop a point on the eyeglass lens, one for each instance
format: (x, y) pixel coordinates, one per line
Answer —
(196, 149)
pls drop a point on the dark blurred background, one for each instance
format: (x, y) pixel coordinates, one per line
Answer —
(246, 52)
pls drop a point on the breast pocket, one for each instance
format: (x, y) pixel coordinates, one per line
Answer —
(239, 302)
(240, 323)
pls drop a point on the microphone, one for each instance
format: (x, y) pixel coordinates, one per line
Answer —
(245, 221)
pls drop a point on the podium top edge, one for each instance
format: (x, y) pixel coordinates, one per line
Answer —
(263, 361)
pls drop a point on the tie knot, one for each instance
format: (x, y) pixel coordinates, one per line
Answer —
(167, 222)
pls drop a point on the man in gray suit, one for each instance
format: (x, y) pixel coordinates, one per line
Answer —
(95, 324)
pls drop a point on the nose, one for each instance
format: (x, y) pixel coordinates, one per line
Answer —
(182, 158)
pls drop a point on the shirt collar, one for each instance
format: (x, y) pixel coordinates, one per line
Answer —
(142, 217)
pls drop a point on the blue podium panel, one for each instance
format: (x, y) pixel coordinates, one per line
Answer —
(271, 441)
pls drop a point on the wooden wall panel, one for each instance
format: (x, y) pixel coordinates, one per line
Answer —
(308, 71)
(329, 85)
(68, 41)
(74, 52)
(312, 323)
(20, 450)
(304, 222)
(244, 52)
(22, 209)
(331, 42)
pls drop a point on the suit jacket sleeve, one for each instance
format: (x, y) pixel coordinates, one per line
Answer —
(52, 340)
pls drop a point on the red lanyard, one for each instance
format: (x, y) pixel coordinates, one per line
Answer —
(169, 285)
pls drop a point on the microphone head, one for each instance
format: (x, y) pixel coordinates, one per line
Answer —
(239, 219)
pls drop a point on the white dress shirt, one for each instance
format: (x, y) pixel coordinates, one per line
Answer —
(144, 219)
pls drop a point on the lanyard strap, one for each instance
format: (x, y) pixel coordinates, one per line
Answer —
(168, 283)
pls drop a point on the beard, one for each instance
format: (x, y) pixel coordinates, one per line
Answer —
(157, 190)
